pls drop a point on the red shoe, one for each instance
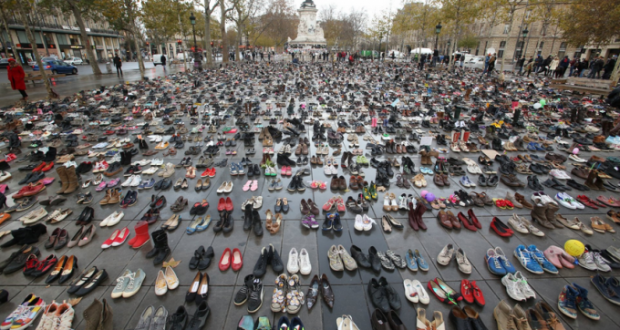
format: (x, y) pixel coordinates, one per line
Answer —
(478, 296)
(221, 205)
(474, 219)
(142, 235)
(48, 167)
(441, 294)
(229, 204)
(466, 222)
(467, 291)
(225, 260)
(122, 237)
(500, 228)
(38, 168)
(587, 201)
(108, 242)
(237, 262)
(205, 173)
(212, 173)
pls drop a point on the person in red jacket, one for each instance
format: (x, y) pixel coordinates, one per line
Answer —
(16, 77)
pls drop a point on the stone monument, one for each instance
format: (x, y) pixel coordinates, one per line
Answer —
(309, 31)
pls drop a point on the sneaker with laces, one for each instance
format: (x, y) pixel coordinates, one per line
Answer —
(255, 301)
(524, 287)
(278, 299)
(512, 288)
(586, 260)
(493, 263)
(542, 260)
(583, 303)
(134, 284)
(601, 264)
(244, 292)
(526, 260)
(501, 256)
(567, 302)
(121, 284)
(48, 319)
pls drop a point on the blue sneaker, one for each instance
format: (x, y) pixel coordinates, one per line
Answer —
(542, 260)
(527, 261)
(147, 184)
(240, 170)
(493, 264)
(421, 261)
(584, 304)
(412, 264)
(566, 302)
(501, 256)
(609, 288)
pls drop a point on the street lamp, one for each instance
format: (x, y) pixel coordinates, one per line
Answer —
(192, 19)
(524, 33)
(448, 48)
(437, 32)
(380, 38)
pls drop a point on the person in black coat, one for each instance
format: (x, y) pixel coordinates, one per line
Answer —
(118, 63)
(162, 59)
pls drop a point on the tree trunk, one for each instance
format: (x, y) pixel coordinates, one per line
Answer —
(139, 52)
(183, 44)
(512, 15)
(6, 28)
(223, 31)
(237, 50)
(37, 57)
(208, 33)
(77, 14)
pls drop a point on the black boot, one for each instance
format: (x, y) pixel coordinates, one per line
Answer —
(160, 247)
(257, 224)
(50, 155)
(247, 217)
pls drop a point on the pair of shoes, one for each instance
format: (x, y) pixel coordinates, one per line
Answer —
(199, 289)
(128, 284)
(88, 281)
(497, 263)
(269, 256)
(287, 295)
(166, 281)
(383, 296)
(231, 258)
(573, 297)
(332, 222)
(25, 314)
(517, 287)
(445, 256)
(251, 292)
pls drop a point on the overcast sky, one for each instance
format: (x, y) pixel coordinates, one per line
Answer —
(369, 6)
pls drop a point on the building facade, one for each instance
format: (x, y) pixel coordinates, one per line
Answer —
(61, 36)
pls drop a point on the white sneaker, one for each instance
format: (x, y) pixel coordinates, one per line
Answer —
(576, 158)
(512, 287)
(516, 224)
(421, 292)
(136, 181)
(367, 222)
(445, 255)
(127, 182)
(305, 267)
(293, 261)
(334, 170)
(359, 223)
(601, 264)
(526, 289)
(151, 170)
(586, 260)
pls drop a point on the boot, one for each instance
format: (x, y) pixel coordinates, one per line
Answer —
(50, 155)
(591, 180)
(72, 179)
(419, 211)
(573, 115)
(412, 219)
(466, 136)
(62, 175)
(106, 321)
(92, 315)
(539, 215)
(606, 126)
(598, 183)
(161, 250)
(455, 137)
(142, 235)
(550, 214)
(247, 217)
(262, 162)
(257, 224)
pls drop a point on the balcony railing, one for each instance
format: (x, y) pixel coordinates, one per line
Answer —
(36, 25)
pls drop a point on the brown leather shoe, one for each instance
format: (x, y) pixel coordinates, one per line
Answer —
(342, 183)
(453, 220)
(115, 197)
(106, 199)
(511, 180)
(353, 184)
(334, 184)
(521, 199)
(443, 219)
(395, 322)
(446, 181)
(437, 179)
(580, 172)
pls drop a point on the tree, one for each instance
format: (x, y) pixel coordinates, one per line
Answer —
(22, 7)
(161, 20)
(243, 10)
(275, 26)
(224, 10)
(5, 25)
(416, 17)
(80, 9)
(460, 13)
(468, 42)
(506, 13)
(344, 29)
(589, 22)
(208, 21)
(122, 15)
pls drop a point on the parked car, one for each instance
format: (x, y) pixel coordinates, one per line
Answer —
(74, 61)
(43, 59)
(476, 62)
(58, 67)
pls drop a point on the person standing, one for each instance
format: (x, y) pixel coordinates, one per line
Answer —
(573, 66)
(595, 68)
(162, 59)
(609, 67)
(561, 69)
(486, 63)
(118, 64)
(16, 76)
(520, 63)
(581, 67)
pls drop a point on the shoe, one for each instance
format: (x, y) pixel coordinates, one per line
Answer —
(512, 287)
(255, 300)
(526, 260)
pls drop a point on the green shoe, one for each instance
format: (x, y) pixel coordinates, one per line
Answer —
(366, 193)
(121, 284)
(373, 190)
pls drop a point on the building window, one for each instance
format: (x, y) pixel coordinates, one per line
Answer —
(539, 48)
(563, 47)
(519, 50)
(500, 52)
(21, 36)
(75, 41)
(62, 39)
(506, 29)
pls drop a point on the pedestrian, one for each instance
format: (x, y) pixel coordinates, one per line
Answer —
(596, 67)
(573, 66)
(609, 67)
(16, 76)
(529, 66)
(538, 64)
(492, 64)
(553, 65)
(520, 63)
(581, 67)
(118, 64)
(162, 59)
(561, 69)
(486, 63)
(269, 57)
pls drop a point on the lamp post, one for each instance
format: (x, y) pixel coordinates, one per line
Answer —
(380, 38)
(192, 20)
(448, 48)
(437, 32)
(525, 32)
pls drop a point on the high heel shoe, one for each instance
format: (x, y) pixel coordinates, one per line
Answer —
(86, 216)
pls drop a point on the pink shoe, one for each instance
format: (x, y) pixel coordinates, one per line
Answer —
(247, 185)
(101, 186)
(340, 204)
(329, 204)
(289, 171)
(567, 260)
(113, 182)
(283, 171)
(553, 254)
(254, 185)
